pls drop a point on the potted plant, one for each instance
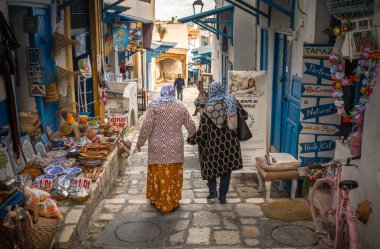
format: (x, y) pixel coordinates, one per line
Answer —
(161, 31)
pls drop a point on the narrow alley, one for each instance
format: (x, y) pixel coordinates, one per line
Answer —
(126, 220)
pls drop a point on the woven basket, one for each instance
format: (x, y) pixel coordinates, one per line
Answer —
(66, 128)
(79, 199)
(350, 9)
(43, 233)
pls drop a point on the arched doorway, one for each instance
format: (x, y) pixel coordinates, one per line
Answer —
(169, 65)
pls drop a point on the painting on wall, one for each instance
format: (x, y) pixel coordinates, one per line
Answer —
(37, 90)
(33, 56)
(27, 149)
(80, 47)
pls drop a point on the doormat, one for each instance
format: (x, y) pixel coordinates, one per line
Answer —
(288, 210)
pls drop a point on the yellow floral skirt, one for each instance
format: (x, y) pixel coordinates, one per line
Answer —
(164, 185)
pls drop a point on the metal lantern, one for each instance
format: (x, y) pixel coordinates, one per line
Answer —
(198, 2)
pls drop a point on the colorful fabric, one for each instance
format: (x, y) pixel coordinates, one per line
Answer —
(216, 93)
(164, 185)
(162, 127)
(167, 95)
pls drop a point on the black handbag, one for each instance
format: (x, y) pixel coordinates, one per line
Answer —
(243, 131)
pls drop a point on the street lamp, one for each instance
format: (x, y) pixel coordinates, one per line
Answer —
(198, 2)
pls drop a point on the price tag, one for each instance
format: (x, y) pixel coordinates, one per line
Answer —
(45, 184)
(82, 183)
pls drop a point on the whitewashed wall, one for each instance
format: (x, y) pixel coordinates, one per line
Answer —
(176, 33)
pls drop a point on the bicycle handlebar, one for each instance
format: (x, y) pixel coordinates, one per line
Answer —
(340, 162)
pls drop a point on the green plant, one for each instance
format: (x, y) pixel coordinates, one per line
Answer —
(162, 31)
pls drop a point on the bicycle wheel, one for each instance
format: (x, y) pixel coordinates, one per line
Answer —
(347, 233)
(322, 204)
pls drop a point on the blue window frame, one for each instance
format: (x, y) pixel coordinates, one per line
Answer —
(264, 49)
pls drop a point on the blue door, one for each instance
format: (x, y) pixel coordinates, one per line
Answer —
(44, 41)
(286, 100)
(278, 79)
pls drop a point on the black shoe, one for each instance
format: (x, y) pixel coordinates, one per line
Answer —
(212, 195)
(222, 201)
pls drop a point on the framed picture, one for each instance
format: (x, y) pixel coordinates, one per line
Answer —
(37, 90)
(33, 56)
(40, 148)
(34, 74)
(27, 149)
(31, 24)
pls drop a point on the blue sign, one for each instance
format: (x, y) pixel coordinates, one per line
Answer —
(317, 71)
(318, 111)
(319, 129)
(319, 146)
(306, 161)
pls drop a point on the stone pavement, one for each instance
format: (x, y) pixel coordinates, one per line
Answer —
(127, 220)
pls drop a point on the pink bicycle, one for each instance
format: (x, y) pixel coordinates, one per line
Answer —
(334, 218)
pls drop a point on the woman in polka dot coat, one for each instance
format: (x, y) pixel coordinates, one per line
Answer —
(218, 145)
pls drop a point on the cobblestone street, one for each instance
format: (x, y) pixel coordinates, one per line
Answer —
(126, 220)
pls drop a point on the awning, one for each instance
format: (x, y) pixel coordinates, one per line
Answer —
(203, 19)
(255, 10)
(157, 49)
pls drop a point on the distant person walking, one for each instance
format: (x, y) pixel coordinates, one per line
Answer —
(179, 84)
(162, 127)
(219, 146)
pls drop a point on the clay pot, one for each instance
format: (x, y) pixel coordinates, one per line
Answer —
(91, 134)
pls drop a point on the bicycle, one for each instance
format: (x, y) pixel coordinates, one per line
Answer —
(334, 218)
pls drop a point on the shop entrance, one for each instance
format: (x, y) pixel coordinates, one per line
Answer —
(286, 99)
(38, 35)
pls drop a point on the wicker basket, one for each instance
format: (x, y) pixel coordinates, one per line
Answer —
(80, 199)
(350, 9)
(43, 233)
(66, 128)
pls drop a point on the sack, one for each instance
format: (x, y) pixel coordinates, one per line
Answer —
(243, 131)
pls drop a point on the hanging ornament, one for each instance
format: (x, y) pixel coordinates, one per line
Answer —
(365, 73)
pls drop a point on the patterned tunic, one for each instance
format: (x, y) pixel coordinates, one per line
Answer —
(219, 147)
(162, 127)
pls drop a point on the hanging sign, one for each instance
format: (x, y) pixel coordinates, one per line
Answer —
(306, 161)
(317, 71)
(319, 146)
(127, 36)
(318, 111)
(249, 89)
(319, 129)
(84, 66)
(317, 51)
(313, 90)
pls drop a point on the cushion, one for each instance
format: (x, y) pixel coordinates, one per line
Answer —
(262, 162)
(277, 175)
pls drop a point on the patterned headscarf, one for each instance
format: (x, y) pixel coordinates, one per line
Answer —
(167, 95)
(216, 93)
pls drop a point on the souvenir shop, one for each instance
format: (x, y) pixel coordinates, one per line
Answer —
(53, 151)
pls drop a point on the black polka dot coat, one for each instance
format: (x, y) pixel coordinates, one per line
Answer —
(218, 146)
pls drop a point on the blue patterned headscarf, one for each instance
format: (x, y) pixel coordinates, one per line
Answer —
(167, 95)
(216, 93)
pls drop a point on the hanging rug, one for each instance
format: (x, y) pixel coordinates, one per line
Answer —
(288, 210)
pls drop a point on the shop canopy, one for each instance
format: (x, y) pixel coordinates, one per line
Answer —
(256, 12)
(206, 20)
(157, 49)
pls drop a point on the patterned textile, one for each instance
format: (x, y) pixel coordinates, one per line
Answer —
(216, 93)
(167, 95)
(219, 148)
(164, 185)
(162, 127)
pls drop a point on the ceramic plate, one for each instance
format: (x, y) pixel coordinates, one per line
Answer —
(54, 170)
(67, 177)
(46, 176)
(73, 171)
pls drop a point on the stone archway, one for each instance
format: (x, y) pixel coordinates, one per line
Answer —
(169, 65)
